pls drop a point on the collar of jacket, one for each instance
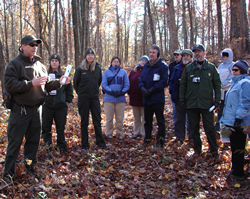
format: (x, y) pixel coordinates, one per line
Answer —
(240, 77)
(157, 63)
(113, 68)
(204, 66)
(27, 59)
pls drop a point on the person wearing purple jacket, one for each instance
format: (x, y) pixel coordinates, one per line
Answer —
(136, 98)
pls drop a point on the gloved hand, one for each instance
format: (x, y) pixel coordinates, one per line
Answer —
(216, 104)
(145, 92)
(183, 105)
(117, 93)
(237, 124)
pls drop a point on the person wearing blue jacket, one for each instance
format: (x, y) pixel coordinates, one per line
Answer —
(180, 125)
(236, 116)
(115, 84)
(226, 75)
(153, 80)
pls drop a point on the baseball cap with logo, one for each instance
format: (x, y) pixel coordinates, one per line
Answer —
(198, 47)
(29, 39)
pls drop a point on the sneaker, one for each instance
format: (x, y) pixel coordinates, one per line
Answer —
(30, 169)
(6, 182)
(234, 178)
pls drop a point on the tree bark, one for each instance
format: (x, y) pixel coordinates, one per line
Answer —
(190, 10)
(173, 40)
(98, 40)
(144, 29)
(220, 30)
(117, 30)
(70, 35)
(151, 22)
(56, 28)
(76, 33)
(2, 68)
(6, 33)
(184, 25)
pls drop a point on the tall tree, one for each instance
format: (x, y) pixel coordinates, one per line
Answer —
(220, 30)
(191, 24)
(56, 27)
(184, 25)
(144, 40)
(173, 40)
(98, 40)
(6, 31)
(117, 30)
(151, 22)
(2, 67)
(76, 18)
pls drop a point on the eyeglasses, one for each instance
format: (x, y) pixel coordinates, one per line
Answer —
(32, 45)
(235, 69)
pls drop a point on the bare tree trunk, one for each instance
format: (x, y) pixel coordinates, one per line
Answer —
(203, 22)
(70, 35)
(238, 34)
(86, 28)
(21, 25)
(65, 42)
(144, 29)
(220, 31)
(56, 28)
(173, 40)
(118, 30)
(136, 47)
(13, 38)
(191, 24)
(6, 33)
(49, 23)
(184, 26)
(2, 68)
(76, 33)
(165, 29)
(209, 27)
(98, 40)
(151, 23)
(127, 32)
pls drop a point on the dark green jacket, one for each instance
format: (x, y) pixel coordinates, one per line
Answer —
(63, 95)
(200, 95)
(18, 80)
(87, 83)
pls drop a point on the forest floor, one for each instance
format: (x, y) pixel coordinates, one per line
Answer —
(126, 169)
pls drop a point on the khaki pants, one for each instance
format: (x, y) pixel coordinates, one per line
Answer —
(139, 121)
(110, 110)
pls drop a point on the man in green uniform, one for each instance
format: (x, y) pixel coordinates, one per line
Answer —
(199, 81)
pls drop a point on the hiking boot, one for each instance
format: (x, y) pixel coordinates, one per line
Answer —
(30, 169)
(234, 178)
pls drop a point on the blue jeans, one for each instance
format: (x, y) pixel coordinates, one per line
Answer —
(174, 116)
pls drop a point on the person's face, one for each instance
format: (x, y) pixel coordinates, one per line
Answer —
(186, 59)
(236, 71)
(90, 58)
(153, 54)
(30, 49)
(115, 62)
(54, 64)
(143, 62)
(225, 58)
(177, 57)
(199, 55)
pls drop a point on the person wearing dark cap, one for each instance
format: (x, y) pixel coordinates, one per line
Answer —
(236, 116)
(115, 84)
(56, 106)
(177, 60)
(226, 75)
(200, 81)
(153, 80)
(87, 80)
(180, 125)
(136, 98)
(27, 80)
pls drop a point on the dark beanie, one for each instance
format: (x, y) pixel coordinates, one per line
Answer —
(243, 65)
(89, 51)
(55, 56)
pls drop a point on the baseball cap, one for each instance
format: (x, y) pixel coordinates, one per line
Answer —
(198, 47)
(29, 39)
(178, 52)
(187, 51)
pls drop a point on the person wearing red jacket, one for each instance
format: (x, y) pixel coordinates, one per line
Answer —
(136, 98)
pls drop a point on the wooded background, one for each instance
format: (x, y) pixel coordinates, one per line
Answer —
(123, 27)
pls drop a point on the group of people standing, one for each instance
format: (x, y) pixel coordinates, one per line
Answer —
(194, 84)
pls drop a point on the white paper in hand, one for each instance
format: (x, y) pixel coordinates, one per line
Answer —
(68, 69)
(52, 76)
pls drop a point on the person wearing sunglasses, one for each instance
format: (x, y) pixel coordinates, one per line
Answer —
(26, 79)
(226, 75)
(236, 116)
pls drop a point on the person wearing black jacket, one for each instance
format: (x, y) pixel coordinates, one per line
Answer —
(56, 106)
(26, 79)
(87, 80)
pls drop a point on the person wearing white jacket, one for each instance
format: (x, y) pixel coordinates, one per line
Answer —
(226, 75)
